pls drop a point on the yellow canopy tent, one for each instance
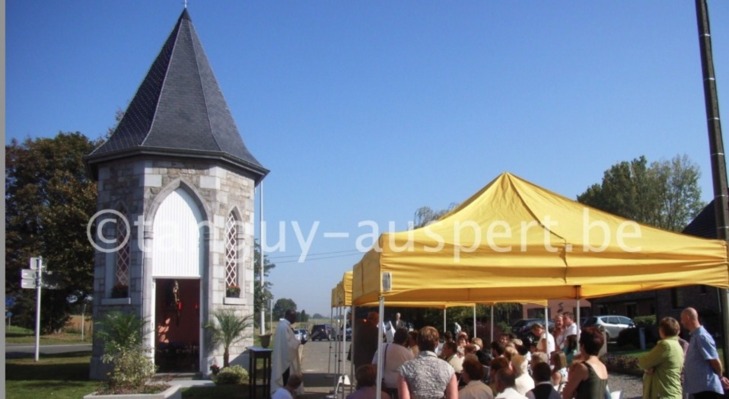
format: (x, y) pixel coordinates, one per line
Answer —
(515, 241)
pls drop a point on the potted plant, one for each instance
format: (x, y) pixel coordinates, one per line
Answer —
(131, 368)
(232, 291)
(227, 329)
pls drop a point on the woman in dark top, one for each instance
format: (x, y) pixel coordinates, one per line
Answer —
(587, 378)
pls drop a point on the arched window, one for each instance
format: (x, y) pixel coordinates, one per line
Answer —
(231, 256)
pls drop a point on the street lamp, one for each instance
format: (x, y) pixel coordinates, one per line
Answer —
(73, 298)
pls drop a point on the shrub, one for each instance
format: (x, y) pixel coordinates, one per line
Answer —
(231, 375)
(630, 337)
(124, 349)
(645, 321)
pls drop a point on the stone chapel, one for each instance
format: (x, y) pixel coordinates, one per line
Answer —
(175, 221)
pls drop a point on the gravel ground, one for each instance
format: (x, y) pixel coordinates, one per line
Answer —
(631, 386)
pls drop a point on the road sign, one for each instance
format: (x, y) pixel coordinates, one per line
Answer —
(28, 274)
(25, 283)
(27, 278)
(34, 262)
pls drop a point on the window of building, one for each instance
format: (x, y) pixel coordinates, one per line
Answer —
(677, 298)
(231, 255)
(120, 288)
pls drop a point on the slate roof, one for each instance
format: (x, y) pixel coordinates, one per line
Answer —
(179, 111)
(704, 224)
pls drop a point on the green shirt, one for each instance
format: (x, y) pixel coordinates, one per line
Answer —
(666, 361)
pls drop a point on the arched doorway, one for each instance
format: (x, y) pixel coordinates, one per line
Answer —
(177, 269)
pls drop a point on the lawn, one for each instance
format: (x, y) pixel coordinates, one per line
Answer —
(60, 376)
(66, 376)
(19, 335)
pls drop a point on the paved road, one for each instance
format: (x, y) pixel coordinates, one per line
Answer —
(25, 350)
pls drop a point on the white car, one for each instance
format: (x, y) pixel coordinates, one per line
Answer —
(611, 324)
(302, 335)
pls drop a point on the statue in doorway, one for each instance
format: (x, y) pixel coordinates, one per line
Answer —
(174, 302)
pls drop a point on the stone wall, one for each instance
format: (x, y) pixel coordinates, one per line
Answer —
(139, 187)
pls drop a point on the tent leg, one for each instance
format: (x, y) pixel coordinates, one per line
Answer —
(492, 324)
(474, 322)
(380, 356)
(445, 325)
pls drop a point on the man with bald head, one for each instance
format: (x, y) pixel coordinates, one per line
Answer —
(702, 367)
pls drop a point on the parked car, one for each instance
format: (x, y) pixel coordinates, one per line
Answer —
(321, 332)
(611, 324)
(348, 333)
(523, 329)
(302, 335)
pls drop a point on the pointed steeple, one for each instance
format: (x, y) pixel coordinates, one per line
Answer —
(179, 111)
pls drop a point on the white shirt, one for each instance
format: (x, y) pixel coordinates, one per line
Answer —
(524, 383)
(282, 393)
(475, 390)
(285, 354)
(510, 393)
(396, 355)
(551, 346)
(456, 362)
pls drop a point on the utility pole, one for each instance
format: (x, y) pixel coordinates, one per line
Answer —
(716, 148)
(260, 215)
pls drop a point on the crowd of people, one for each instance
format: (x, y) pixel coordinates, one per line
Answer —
(558, 364)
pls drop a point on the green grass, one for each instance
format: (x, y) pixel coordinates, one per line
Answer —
(63, 376)
(20, 335)
(66, 376)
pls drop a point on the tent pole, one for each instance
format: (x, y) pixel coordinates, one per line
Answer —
(492, 324)
(445, 326)
(474, 322)
(577, 319)
(351, 350)
(379, 349)
(331, 323)
(716, 148)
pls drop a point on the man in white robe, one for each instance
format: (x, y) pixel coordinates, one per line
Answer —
(286, 358)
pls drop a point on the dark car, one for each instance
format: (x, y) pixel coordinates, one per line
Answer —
(321, 332)
(523, 329)
(348, 332)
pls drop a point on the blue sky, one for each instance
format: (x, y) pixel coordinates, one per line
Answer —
(366, 111)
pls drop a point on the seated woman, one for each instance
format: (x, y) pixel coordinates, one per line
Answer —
(367, 383)
(587, 378)
(427, 376)
(559, 370)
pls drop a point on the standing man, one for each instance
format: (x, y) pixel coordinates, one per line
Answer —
(365, 340)
(702, 368)
(399, 323)
(285, 360)
(545, 340)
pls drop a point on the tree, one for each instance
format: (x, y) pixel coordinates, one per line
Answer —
(227, 329)
(281, 306)
(49, 200)
(261, 295)
(665, 194)
(302, 317)
(426, 215)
